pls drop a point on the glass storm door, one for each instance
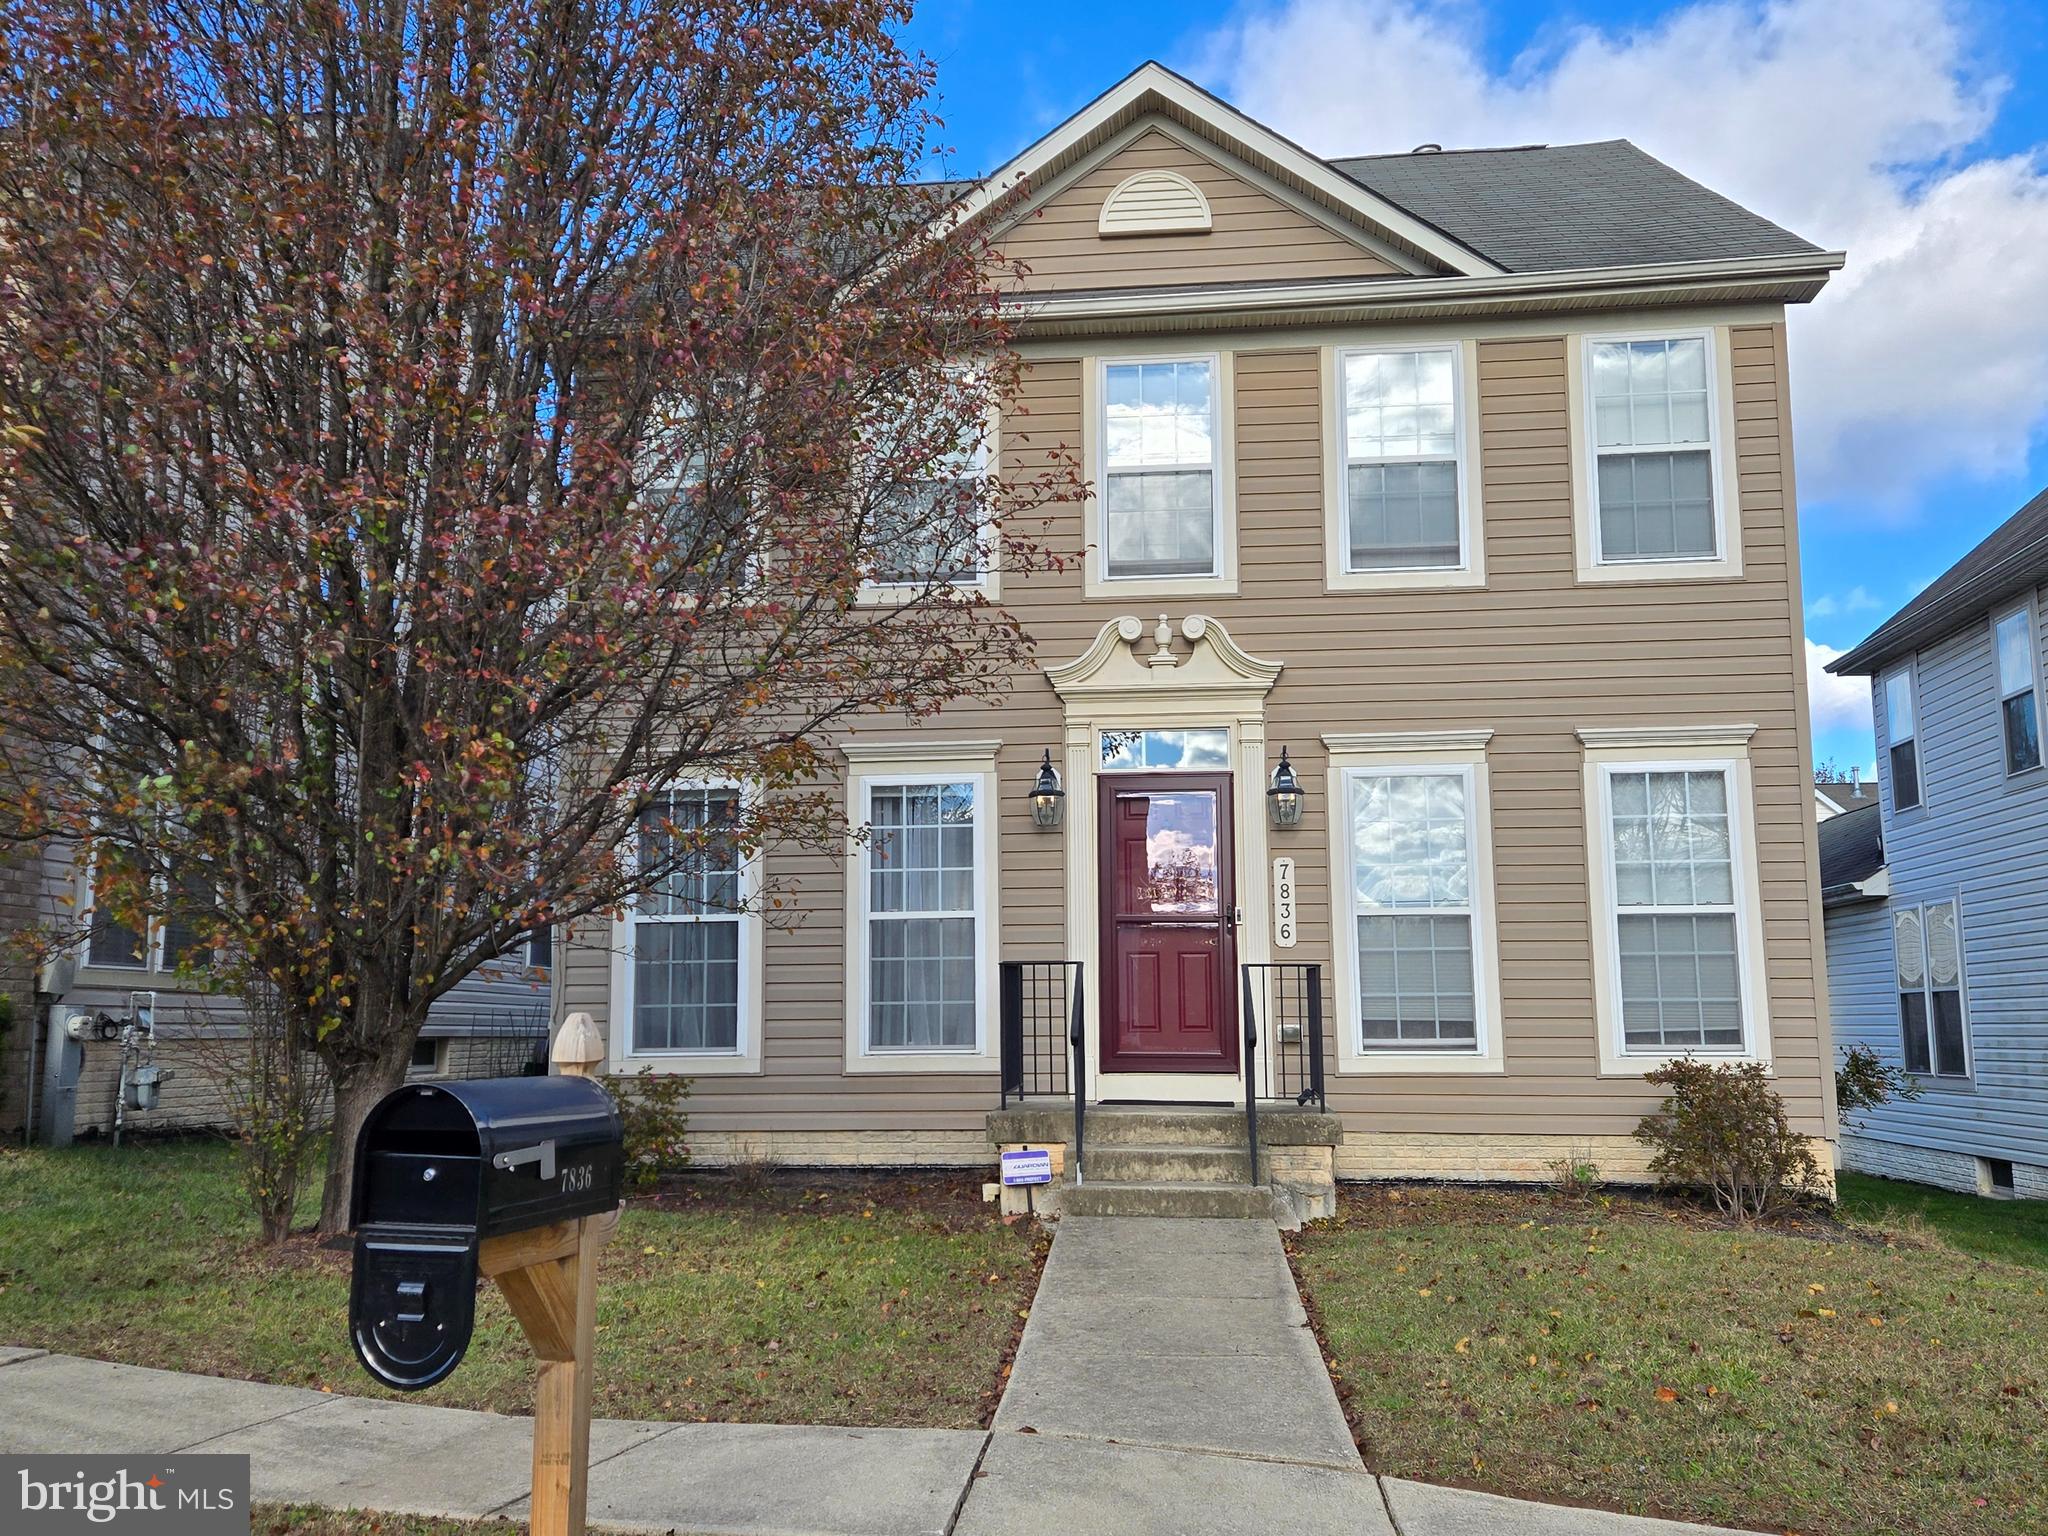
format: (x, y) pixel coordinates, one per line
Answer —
(1168, 923)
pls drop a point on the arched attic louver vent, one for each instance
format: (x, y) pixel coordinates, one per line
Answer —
(1154, 203)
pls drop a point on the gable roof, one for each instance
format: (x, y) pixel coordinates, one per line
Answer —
(2013, 558)
(1553, 208)
(1152, 87)
(1851, 851)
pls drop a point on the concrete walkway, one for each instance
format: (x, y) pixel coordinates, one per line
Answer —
(1168, 1384)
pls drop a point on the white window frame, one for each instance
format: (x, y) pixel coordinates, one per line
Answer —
(1909, 669)
(745, 1057)
(437, 1067)
(151, 941)
(878, 764)
(2025, 613)
(1954, 902)
(1470, 571)
(1222, 577)
(1436, 753)
(1721, 461)
(1664, 749)
(987, 582)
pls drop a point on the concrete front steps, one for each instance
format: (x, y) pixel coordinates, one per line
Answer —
(1179, 1160)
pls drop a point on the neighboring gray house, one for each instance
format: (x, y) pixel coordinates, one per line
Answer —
(1937, 902)
(54, 1087)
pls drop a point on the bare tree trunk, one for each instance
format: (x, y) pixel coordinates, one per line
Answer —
(358, 1086)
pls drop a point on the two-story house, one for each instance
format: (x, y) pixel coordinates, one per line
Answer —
(1423, 735)
(1938, 949)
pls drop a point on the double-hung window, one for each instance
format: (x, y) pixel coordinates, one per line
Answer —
(690, 954)
(1161, 491)
(1402, 463)
(1411, 881)
(173, 938)
(1418, 980)
(2019, 706)
(932, 531)
(1675, 910)
(1902, 739)
(922, 909)
(1651, 412)
(1677, 921)
(1927, 946)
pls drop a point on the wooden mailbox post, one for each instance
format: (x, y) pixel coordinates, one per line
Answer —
(549, 1277)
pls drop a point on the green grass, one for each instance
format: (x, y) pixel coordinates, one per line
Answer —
(307, 1520)
(1827, 1380)
(2014, 1230)
(877, 1302)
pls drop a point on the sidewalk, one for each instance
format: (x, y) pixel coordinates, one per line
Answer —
(1167, 1385)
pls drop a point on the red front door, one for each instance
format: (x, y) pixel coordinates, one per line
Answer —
(1167, 923)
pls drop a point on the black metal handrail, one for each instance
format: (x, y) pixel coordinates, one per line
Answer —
(1042, 1035)
(1077, 1038)
(1293, 1037)
(1251, 1075)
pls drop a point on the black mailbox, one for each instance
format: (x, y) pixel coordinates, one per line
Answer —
(439, 1168)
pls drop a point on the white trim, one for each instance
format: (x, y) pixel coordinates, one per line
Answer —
(1152, 86)
(1222, 577)
(1108, 687)
(2026, 614)
(1470, 571)
(887, 763)
(1397, 754)
(988, 577)
(976, 753)
(1791, 278)
(1173, 205)
(1652, 737)
(1726, 563)
(1910, 670)
(1954, 901)
(1711, 751)
(745, 1058)
(1389, 743)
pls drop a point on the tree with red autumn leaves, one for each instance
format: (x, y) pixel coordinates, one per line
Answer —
(433, 425)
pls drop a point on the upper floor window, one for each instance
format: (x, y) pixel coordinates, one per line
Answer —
(932, 530)
(2019, 708)
(1403, 465)
(1652, 420)
(1900, 733)
(170, 941)
(1160, 468)
(1928, 952)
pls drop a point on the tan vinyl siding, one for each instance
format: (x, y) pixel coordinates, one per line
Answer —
(1534, 655)
(1254, 235)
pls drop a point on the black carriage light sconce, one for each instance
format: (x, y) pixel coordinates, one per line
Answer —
(1048, 800)
(1286, 799)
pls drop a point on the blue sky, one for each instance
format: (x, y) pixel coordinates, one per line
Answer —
(1916, 138)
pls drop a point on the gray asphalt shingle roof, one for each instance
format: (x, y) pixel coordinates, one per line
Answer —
(1561, 207)
(1851, 848)
(2013, 558)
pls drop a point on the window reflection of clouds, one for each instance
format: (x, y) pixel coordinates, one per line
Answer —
(1193, 749)
(1409, 842)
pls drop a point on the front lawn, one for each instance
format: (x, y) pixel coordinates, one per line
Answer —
(873, 1301)
(308, 1520)
(1992, 1229)
(1829, 1380)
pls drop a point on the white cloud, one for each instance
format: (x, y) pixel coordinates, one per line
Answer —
(1856, 600)
(1927, 356)
(1838, 703)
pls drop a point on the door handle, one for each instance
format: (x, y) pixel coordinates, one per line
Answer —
(1235, 917)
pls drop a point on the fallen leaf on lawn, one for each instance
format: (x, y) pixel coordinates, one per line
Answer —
(1825, 1312)
(1875, 1322)
(1464, 1346)
(1815, 1289)
(1423, 1291)
(1666, 1395)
